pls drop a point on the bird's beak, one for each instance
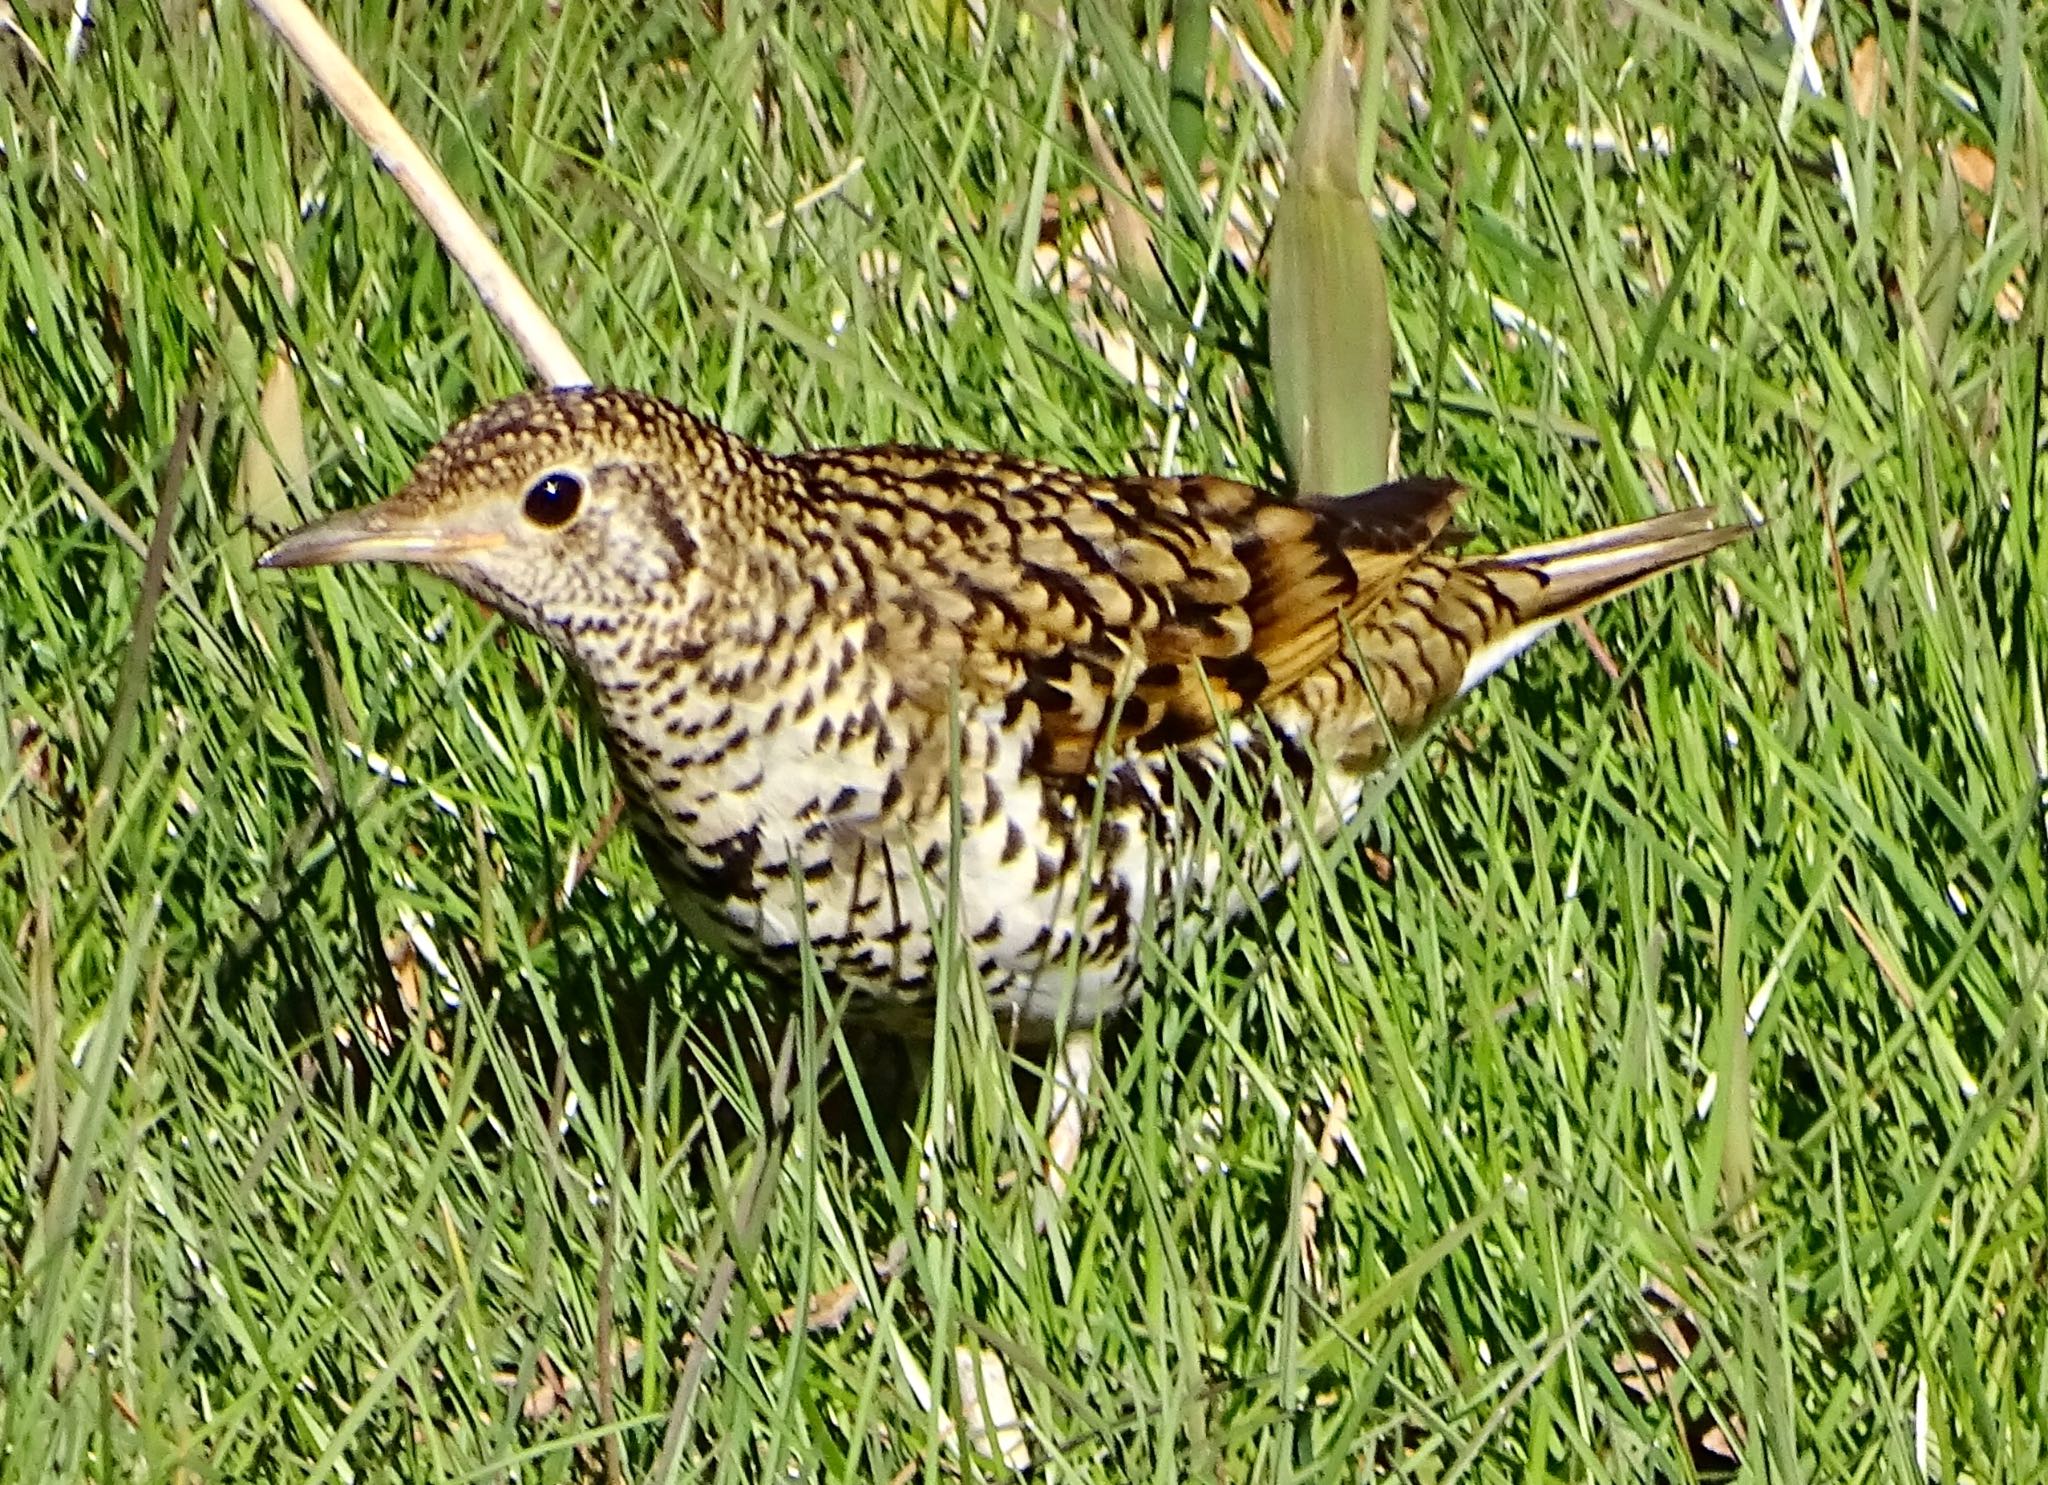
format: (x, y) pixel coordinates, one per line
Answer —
(386, 532)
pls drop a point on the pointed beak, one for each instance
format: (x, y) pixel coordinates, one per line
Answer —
(385, 532)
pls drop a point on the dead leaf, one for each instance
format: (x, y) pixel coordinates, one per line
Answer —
(1974, 166)
(1132, 250)
(2011, 302)
(1398, 195)
(988, 1408)
(42, 766)
(553, 1390)
(11, 26)
(829, 1310)
(274, 463)
(1867, 71)
(1308, 1217)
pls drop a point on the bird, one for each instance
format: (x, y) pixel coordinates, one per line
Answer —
(919, 712)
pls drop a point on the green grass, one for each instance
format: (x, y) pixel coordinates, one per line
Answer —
(1726, 978)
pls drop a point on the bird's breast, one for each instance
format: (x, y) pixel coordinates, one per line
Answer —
(788, 793)
(794, 796)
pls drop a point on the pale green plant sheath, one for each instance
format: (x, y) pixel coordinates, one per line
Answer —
(1328, 335)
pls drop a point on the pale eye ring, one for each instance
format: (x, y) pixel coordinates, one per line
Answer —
(553, 499)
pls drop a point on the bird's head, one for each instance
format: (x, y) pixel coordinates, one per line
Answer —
(564, 510)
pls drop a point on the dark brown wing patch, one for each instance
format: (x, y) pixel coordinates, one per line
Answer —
(1404, 516)
(1257, 598)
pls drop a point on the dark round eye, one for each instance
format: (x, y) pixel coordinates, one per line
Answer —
(552, 499)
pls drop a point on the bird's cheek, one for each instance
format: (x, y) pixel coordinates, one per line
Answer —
(497, 589)
(630, 571)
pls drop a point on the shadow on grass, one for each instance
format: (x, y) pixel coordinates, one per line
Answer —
(611, 1004)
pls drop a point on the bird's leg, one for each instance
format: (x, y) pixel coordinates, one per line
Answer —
(1071, 1076)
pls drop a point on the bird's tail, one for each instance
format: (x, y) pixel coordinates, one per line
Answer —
(1534, 588)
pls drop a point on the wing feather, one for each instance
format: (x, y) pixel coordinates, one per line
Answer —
(1107, 614)
(1240, 596)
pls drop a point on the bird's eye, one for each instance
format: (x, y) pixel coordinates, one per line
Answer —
(553, 498)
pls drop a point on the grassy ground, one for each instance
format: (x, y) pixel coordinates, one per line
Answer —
(1694, 1017)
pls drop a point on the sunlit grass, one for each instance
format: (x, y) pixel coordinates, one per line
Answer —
(1703, 1002)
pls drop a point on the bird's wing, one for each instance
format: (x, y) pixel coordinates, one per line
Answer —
(1242, 616)
(1142, 612)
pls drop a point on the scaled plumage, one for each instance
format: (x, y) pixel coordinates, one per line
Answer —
(845, 689)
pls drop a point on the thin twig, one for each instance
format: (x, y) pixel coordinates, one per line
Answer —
(1592, 638)
(500, 287)
(156, 562)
